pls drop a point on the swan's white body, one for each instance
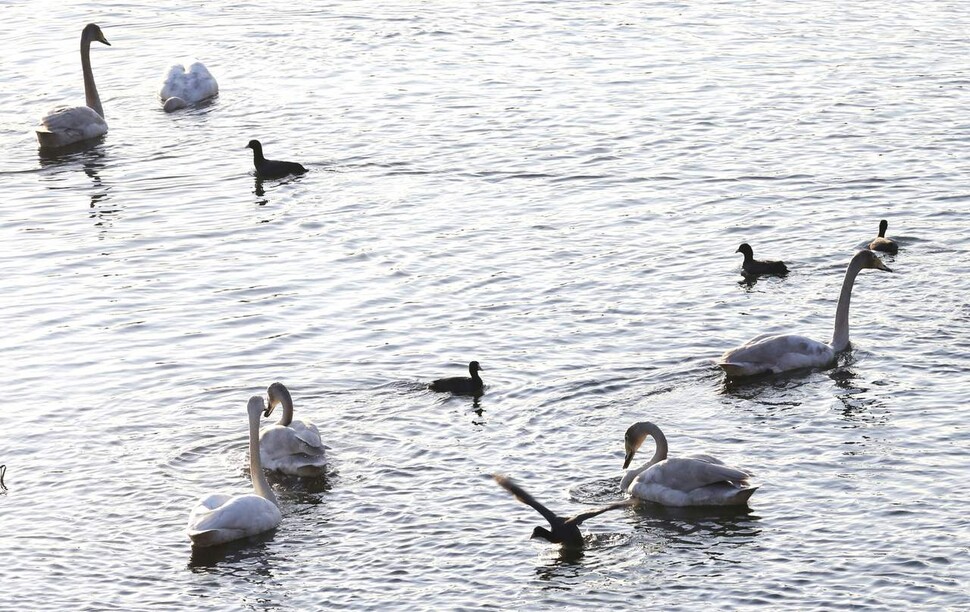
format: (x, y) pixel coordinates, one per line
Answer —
(774, 353)
(222, 518)
(67, 125)
(698, 480)
(291, 447)
(182, 88)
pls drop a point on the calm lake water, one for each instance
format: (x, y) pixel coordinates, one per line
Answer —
(554, 189)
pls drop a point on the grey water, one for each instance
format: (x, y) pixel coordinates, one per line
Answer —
(554, 189)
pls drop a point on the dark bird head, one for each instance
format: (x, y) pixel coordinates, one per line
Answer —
(745, 249)
(93, 32)
(474, 367)
(543, 534)
(883, 226)
(254, 145)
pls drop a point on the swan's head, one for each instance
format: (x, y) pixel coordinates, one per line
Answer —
(868, 259)
(474, 367)
(256, 406)
(633, 438)
(276, 393)
(93, 32)
(745, 248)
(883, 226)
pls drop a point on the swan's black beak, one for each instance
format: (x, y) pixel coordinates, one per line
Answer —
(269, 409)
(882, 266)
(628, 459)
(104, 40)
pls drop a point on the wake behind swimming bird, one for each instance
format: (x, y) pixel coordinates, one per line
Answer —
(461, 384)
(222, 518)
(564, 530)
(67, 125)
(269, 168)
(697, 480)
(290, 447)
(182, 88)
(774, 353)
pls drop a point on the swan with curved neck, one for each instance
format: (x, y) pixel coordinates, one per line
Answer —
(67, 125)
(222, 518)
(698, 480)
(774, 353)
(881, 243)
(183, 87)
(291, 447)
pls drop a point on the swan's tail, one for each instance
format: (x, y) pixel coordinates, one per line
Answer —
(208, 537)
(743, 495)
(736, 369)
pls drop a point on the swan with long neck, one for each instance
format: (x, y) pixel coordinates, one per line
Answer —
(67, 125)
(697, 480)
(774, 353)
(222, 518)
(291, 447)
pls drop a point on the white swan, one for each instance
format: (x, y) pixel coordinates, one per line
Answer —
(291, 447)
(182, 88)
(221, 518)
(773, 353)
(698, 480)
(66, 125)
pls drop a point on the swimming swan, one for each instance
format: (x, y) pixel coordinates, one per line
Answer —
(182, 88)
(291, 447)
(750, 265)
(461, 384)
(773, 353)
(66, 125)
(698, 480)
(221, 518)
(881, 243)
(564, 530)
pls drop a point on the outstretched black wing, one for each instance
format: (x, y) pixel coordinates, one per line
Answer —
(582, 516)
(525, 498)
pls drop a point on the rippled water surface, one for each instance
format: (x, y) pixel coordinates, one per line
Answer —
(554, 189)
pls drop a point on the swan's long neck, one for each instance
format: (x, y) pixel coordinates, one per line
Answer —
(659, 454)
(840, 337)
(91, 97)
(260, 485)
(287, 400)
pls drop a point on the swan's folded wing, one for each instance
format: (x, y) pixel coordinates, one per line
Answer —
(309, 435)
(774, 353)
(249, 513)
(687, 474)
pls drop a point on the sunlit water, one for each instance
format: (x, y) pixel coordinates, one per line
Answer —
(554, 189)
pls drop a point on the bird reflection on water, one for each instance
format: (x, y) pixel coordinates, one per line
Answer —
(252, 550)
